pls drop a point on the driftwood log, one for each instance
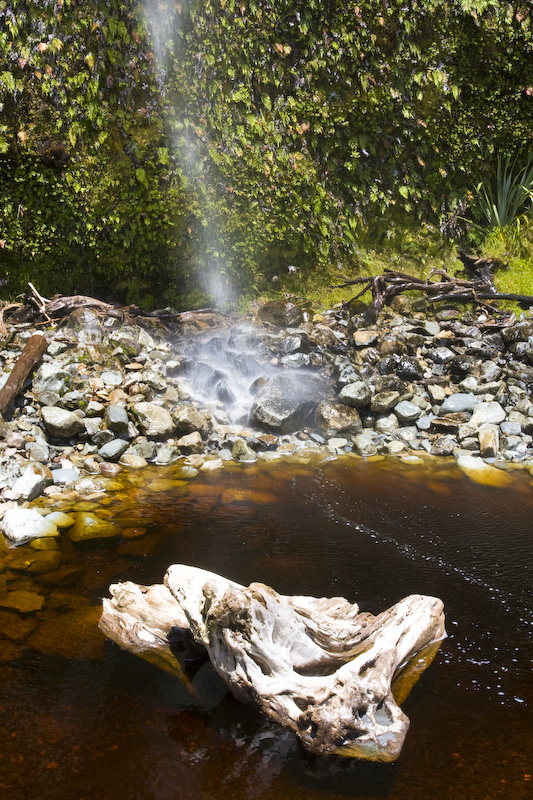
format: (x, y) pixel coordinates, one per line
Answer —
(32, 353)
(314, 665)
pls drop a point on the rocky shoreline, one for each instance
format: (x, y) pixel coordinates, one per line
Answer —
(112, 395)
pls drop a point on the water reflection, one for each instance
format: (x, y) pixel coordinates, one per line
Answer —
(81, 719)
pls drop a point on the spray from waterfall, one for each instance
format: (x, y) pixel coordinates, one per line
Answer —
(165, 22)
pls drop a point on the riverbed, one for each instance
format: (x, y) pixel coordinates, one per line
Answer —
(81, 719)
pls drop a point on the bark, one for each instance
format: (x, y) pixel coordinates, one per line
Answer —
(28, 359)
(314, 665)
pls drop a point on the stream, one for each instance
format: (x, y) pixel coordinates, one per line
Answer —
(83, 720)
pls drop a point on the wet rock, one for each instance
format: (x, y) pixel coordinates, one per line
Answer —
(155, 421)
(108, 469)
(443, 446)
(388, 424)
(23, 524)
(88, 526)
(60, 519)
(61, 423)
(73, 634)
(241, 451)
(481, 472)
(365, 338)
(169, 453)
(288, 401)
(23, 601)
(334, 418)
(15, 627)
(133, 461)
(283, 314)
(365, 443)
(442, 355)
(36, 562)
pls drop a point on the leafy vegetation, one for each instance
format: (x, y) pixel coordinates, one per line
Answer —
(139, 143)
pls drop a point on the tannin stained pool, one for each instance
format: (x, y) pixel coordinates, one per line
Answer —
(81, 719)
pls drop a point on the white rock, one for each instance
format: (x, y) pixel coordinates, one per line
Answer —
(24, 524)
(487, 413)
(29, 485)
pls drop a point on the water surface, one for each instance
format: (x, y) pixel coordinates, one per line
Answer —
(81, 719)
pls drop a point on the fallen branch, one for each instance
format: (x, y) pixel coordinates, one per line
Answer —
(448, 289)
(28, 359)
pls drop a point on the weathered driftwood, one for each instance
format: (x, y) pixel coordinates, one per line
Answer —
(31, 355)
(449, 289)
(315, 665)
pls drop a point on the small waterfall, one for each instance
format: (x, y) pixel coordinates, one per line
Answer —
(166, 21)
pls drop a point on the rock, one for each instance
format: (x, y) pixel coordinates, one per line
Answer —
(61, 423)
(281, 313)
(357, 394)
(489, 440)
(133, 461)
(117, 419)
(288, 401)
(30, 484)
(191, 443)
(365, 338)
(458, 402)
(443, 446)
(334, 418)
(170, 453)
(51, 378)
(111, 451)
(365, 443)
(481, 472)
(65, 475)
(60, 519)
(155, 421)
(442, 355)
(112, 377)
(22, 601)
(383, 402)
(88, 526)
(36, 562)
(241, 451)
(108, 469)
(73, 634)
(189, 419)
(491, 413)
(388, 424)
(23, 524)
(407, 412)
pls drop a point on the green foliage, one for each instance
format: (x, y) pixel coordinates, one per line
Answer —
(501, 202)
(137, 145)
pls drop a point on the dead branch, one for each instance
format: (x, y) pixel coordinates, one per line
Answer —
(28, 359)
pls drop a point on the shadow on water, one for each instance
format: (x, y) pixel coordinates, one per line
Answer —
(111, 725)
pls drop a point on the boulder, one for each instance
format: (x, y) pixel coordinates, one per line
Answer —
(21, 525)
(288, 401)
(61, 423)
(155, 421)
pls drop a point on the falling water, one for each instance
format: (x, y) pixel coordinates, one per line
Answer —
(165, 21)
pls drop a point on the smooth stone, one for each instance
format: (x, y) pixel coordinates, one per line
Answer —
(111, 451)
(365, 444)
(388, 424)
(23, 524)
(61, 423)
(211, 462)
(484, 413)
(458, 402)
(423, 423)
(168, 454)
(133, 461)
(108, 469)
(407, 412)
(155, 421)
(117, 418)
(337, 444)
(88, 526)
(191, 443)
(60, 519)
(356, 395)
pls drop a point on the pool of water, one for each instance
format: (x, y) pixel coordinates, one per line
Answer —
(81, 719)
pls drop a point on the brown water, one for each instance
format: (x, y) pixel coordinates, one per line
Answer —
(80, 719)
